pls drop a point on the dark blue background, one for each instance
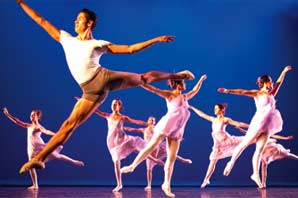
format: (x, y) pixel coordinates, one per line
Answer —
(231, 41)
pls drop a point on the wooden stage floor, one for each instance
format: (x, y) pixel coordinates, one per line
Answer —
(156, 192)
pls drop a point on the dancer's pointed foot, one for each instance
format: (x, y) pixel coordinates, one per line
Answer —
(228, 168)
(147, 188)
(33, 187)
(167, 190)
(79, 163)
(127, 169)
(256, 179)
(205, 183)
(263, 186)
(187, 75)
(187, 161)
(32, 164)
(117, 188)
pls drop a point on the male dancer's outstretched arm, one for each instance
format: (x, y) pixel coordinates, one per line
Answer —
(42, 22)
(112, 48)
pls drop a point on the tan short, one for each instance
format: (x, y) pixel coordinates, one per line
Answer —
(104, 81)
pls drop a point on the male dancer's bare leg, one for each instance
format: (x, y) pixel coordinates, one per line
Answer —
(84, 108)
(124, 80)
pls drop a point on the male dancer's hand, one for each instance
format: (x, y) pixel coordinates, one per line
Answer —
(166, 39)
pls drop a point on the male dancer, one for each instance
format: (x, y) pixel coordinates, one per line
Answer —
(82, 54)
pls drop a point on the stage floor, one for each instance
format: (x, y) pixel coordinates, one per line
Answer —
(138, 192)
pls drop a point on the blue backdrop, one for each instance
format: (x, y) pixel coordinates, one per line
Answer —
(231, 41)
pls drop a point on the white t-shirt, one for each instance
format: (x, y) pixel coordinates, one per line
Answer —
(82, 56)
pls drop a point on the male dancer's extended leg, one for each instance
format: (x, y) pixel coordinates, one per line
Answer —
(122, 80)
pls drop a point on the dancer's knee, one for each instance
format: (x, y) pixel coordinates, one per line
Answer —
(149, 77)
(144, 79)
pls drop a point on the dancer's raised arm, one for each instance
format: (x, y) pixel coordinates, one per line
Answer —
(130, 129)
(243, 92)
(46, 131)
(42, 22)
(138, 122)
(130, 49)
(102, 114)
(202, 114)
(196, 88)
(159, 92)
(278, 137)
(280, 80)
(236, 123)
(14, 119)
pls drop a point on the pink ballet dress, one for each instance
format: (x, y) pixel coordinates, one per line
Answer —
(173, 123)
(223, 143)
(267, 117)
(274, 151)
(159, 153)
(120, 144)
(35, 144)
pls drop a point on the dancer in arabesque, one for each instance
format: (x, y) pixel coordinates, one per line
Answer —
(35, 143)
(266, 122)
(171, 126)
(223, 143)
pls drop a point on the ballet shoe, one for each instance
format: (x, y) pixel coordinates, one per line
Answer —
(117, 188)
(263, 186)
(205, 183)
(187, 161)
(256, 179)
(147, 188)
(32, 164)
(127, 169)
(167, 191)
(228, 169)
(32, 187)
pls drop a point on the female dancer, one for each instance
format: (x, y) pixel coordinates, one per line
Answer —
(223, 143)
(159, 153)
(35, 142)
(171, 126)
(266, 121)
(272, 152)
(120, 145)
